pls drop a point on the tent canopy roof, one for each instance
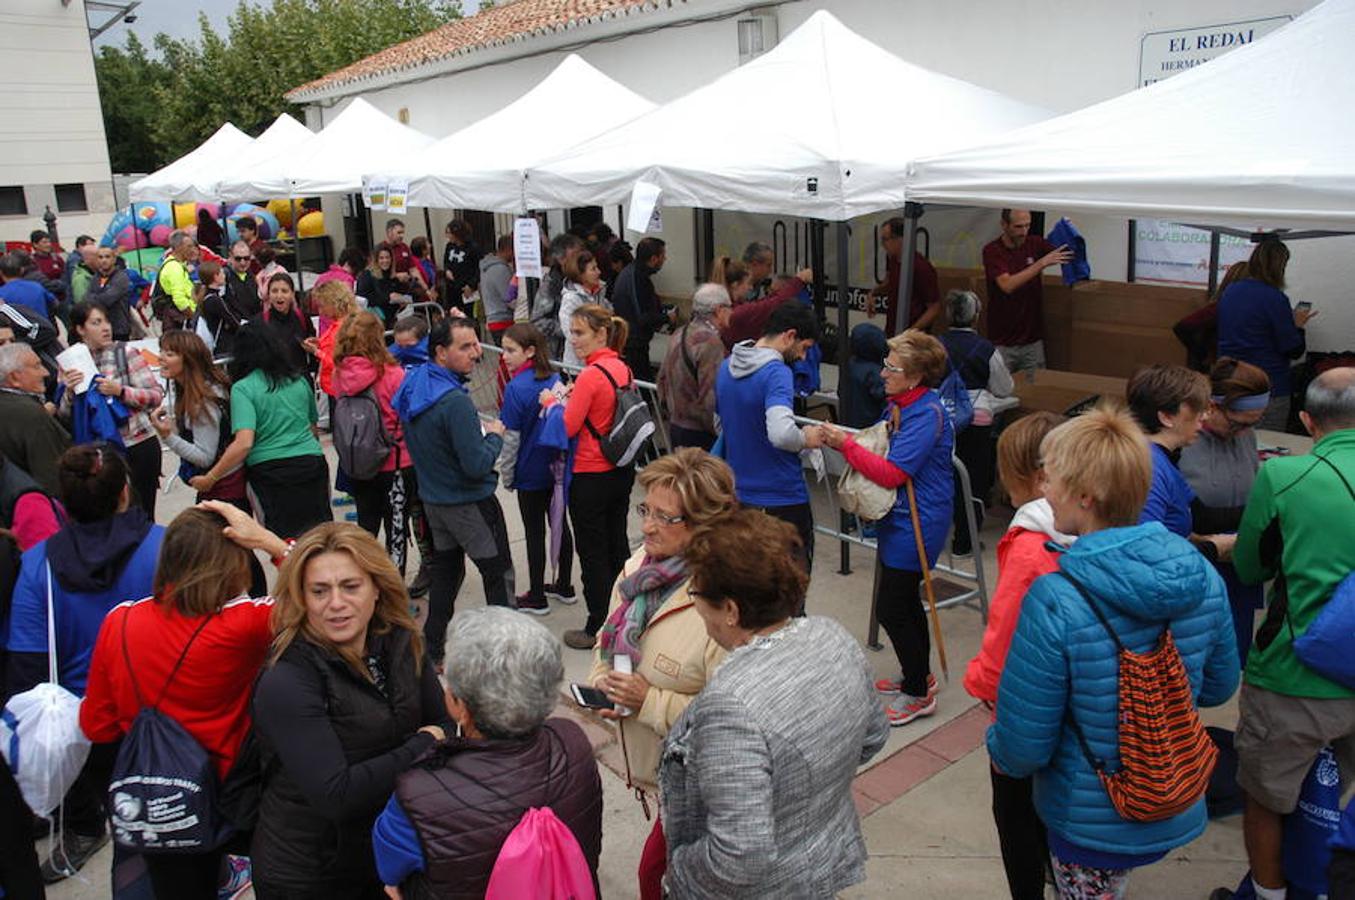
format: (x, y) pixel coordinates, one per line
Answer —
(478, 167)
(332, 160)
(193, 175)
(1256, 137)
(823, 144)
(284, 134)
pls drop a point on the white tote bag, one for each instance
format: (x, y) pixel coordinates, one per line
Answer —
(40, 734)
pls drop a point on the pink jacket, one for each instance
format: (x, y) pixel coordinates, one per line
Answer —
(353, 375)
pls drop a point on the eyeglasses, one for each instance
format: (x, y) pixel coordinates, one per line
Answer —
(1236, 426)
(895, 369)
(644, 512)
(242, 258)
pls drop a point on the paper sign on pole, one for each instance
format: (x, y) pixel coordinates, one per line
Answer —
(397, 195)
(644, 215)
(375, 191)
(527, 247)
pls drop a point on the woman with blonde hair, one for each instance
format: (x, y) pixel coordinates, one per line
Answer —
(347, 701)
(1121, 588)
(735, 276)
(920, 448)
(599, 493)
(653, 622)
(363, 363)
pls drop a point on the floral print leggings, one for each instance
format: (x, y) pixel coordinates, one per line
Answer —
(1076, 882)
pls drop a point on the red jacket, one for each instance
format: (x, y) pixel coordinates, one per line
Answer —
(594, 399)
(1022, 557)
(210, 694)
(748, 319)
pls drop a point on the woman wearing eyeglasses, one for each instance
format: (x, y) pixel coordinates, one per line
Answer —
(1220, 468)
(653, 623)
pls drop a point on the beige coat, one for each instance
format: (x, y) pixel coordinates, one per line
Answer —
(677, 658)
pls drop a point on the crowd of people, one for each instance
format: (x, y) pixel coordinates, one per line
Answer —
(362, 747)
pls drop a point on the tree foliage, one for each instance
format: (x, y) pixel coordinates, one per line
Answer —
(156, 108)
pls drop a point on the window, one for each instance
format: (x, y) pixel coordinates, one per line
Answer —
(71, 198)
(12, 201)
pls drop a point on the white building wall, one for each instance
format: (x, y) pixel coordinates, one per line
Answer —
(1060, 54)
(54, 131)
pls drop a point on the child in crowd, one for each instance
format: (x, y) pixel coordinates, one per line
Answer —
(1022, 556)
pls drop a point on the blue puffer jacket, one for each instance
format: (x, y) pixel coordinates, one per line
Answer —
(1062, 661)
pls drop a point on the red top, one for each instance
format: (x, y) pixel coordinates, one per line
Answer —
(402, 258)
(1018, 317)
(324, 351)
(210, 694)
(926, 289)
(1021, 558)
(749, 318)
(594, 398)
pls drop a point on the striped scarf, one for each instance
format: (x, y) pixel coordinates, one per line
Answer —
(642, 592)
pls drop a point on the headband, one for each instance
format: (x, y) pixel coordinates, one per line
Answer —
(1247, 403)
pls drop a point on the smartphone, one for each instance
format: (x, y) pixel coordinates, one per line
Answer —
(1304, 305)
(590, 697)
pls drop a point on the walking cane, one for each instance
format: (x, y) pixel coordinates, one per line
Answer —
(927, 580)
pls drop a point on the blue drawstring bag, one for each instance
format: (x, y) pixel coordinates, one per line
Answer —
(1308, 831)
(1325, 645)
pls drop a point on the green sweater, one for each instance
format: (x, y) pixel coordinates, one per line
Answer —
(1312, 515)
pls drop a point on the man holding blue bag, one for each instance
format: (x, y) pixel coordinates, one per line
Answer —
(1295, 698)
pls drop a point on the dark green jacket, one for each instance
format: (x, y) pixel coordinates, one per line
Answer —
(1299, 522)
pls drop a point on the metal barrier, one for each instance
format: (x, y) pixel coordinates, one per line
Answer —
(486, 386)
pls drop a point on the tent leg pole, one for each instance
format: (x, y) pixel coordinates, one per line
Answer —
(1132, 255)
(844, 349)
(911, 213)
(296, 246)
(1213, 262)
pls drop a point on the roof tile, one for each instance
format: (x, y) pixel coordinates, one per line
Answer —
(509, 22)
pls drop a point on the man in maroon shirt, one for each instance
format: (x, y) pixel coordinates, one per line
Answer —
(924, 306)
(1012, 265)
(46, 257)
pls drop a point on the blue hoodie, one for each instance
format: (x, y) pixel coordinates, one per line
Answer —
(762, 443)
(1063, 663)
(863, 394)
(409, 357)
(453, 458)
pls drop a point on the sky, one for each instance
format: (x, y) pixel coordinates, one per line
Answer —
(179, 18)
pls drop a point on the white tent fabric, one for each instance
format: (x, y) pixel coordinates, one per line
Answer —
(283, 135)
(1257, 137)
(822, 143)
(360, 139)
(481, 166)
(193, 175)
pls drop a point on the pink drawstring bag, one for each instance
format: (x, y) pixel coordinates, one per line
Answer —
(540, 859)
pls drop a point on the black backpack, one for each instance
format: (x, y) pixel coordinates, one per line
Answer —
(360, 437)
(163, 794)
(632, 424)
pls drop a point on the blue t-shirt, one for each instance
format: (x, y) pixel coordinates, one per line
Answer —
(78, 616)
(23, 292)
(1256, 325)
(764, 475)
(921, 446)
(1169, 495)
(521, 412)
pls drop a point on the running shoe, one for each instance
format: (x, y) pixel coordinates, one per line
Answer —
(563, 593)
(537, 606)
(904, 708)
(578, 639)
(892, 686)
(71, 854)
(239, 878)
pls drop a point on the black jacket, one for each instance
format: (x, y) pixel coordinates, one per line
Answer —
(223, 314)
(332, 745)
(115, 296)
(467, 795)
(293, 328)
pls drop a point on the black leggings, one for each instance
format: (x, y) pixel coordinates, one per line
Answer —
(801, 515)
(535, 509)
(898, 606)
(19, 873)
(293, 494)
(143, 460)
(1025, 852)
(599, 503)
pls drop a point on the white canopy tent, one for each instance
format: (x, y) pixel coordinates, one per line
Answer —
(822, 144)
(1258, 136)
(481, 167)
(193, 175)
(283, 135)
(332, 161)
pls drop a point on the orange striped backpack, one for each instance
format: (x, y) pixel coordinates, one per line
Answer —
(1166, 757)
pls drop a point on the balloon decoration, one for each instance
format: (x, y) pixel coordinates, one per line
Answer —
(150, 224)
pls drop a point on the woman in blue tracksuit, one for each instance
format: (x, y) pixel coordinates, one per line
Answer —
(1063, 665)
(527, 467)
